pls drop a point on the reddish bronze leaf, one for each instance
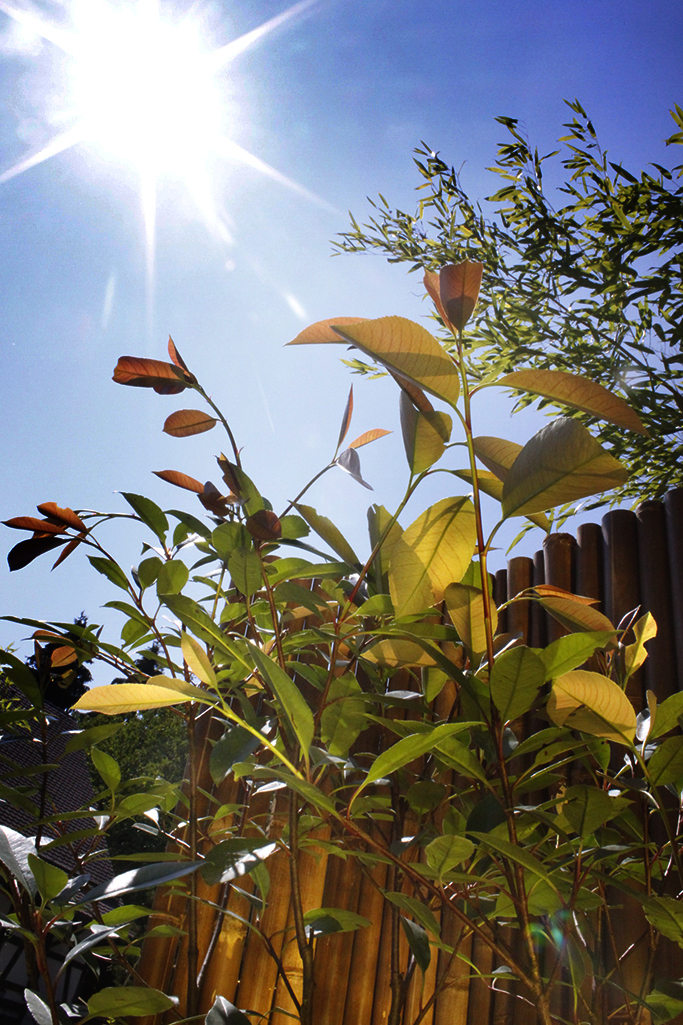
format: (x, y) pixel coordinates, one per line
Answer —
(459, 285)
(346, 419)
(181, 480)
(551, 591)
(57, 514)
(431, 283)
(186, 422)
(176, 357)
(62, 656)
(264, 525)
(230, 474)
(27, 551)
(368, 436)
(216, 503)
(34, 524)
(415, 394)
(66, 552)
(165, 378)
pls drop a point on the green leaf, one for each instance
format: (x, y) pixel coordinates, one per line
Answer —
(560, 464)
(107, 767)
(140, 879)
(498, 455)
(136, 697)
(666, 764)
(444, 853)
(93, 939)
(199, 622)
(587, 808)
(378, 522)
(110, 570)
(229, 536)
(666, 1000)
(50, 880)
(197, 660)
(148, 571)
(172, 577)
(294, 527)
(666, 915)
(418, 943)
(233, 858)
(425, 435)
(245, 569)
(458, 756)
(409, 748)
(465, 605)
(289, 696)
(235, 745)
(323, 921)
(433, 552)
(225, 1013)
(330, 534)
(516, 678)
(86, 738)
(667, 715)
(343, 717)
(117, 1001)
(149, 513)
(415, 908)
(408, 349)
(577, 392)
(571, 651)
(593, 704)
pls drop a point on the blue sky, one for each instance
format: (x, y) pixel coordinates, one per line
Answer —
(335, 100)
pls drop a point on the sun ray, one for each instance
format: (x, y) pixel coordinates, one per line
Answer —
(219, 58)
(60, 143)
(65, 40)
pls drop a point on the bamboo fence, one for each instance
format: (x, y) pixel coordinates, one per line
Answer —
(630, 560)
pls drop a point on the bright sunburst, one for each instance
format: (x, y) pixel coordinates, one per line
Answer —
(151, 92)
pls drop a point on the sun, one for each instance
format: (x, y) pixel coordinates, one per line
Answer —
(150, 91)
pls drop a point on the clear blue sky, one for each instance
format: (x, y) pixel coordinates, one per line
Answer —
(334, 99)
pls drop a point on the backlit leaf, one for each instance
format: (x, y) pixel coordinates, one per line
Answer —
(164, 378)
(432, 286)
(425, 435)
(570, 652)
(245, 569)
(322, 331)
(131, 697)
(369, 436)
(149, 512)
(560, 464)
(343, 717)
(397, 652)
(587, 808)
(577, 616)
(666, 764)
(111, 570)
(378, 522)
(34, 524)
(197, 659)
(492, 485)
(593, 704)
(117, 1001)
(577, 392)
(346, 419)
(410, 350)
(332, 536)
(433, 552)
(465, 606)
(635, 654)
(181, 480)
(408, 749)
(459, 286)
(516, 678)
(288, 694)
(65, 516)
(264, 525)
(175, 356)
(667, 715)
(172, 577)
(349, 460)
(186, 422)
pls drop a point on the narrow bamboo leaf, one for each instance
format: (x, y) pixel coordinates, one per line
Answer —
(164, 378)
(323, 332)
(330, 534)
(459, 285)
(408, 749)
(343, 717)
(560, 464)
(197, 659)
(137, 1001)
(667, 715)
(245, 569)
(324, 921)
(408, 349)
(593, 704)
(139, 879)
(186, 422)
(369, 436)
(570, 652)
(225, 1013)
(465, 605)
(433, 552)
(425, 435)
(666, 764)
(418, 943)
(577, 392)
(133, 697)
(149, 512)
(516, 678)
(289, 696)
(172, 577)
(349, 460)
(346, 419)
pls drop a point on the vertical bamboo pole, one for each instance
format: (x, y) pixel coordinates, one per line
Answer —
(519, 578)
(452, 1001)
(334, 952)
(659, 670)
(223, 968)
(538, 617)
(673, 504)
(479, 1005)
(589, 562)
(500, 595)
(366, 947)
(558, 552)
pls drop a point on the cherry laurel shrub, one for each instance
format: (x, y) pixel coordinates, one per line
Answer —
(371, 710)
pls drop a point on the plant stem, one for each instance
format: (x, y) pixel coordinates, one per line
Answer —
(192, 950)
(305, 949)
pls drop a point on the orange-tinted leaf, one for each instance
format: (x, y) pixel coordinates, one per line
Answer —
(459, 285)
(181, 480)
(57, 514)
(231, 475)
(66, 552)
(550, 591)
(186, 422)
(346, 419)
(322, 331)
(34, 524)
(368, 436)
(176, 357)
(416, 395)
(264, 525)
(164, 378)
(431, 283)
(62, 656)
(216, 503)
(27, 551)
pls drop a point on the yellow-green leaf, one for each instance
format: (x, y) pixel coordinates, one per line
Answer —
(410, 350)
(492, 485)
(425, 435)
(576, 616)
(197, 659)
(644, 630)
(378, 521)
(465, 606)
(397, 652)
(593, 704)
(136, 697)
(560, 464)
(577, 392)
(432, 553)
(497, 454)
(326, 529)
(322, 331)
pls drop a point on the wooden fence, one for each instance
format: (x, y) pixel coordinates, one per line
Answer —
(632, 559)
